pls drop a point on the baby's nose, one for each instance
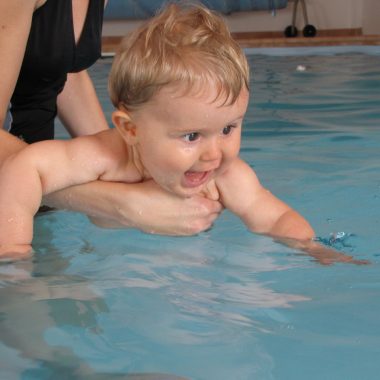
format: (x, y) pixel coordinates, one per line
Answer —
(212, 152)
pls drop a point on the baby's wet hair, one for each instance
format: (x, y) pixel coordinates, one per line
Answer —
(187, 46)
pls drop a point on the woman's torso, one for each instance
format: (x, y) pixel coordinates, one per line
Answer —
(51, 53)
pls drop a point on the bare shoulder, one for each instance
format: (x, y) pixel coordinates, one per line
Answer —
(39, 3)
(98, 149)
(24, 4)
(238, 186)
(104, 145)
(239, 174)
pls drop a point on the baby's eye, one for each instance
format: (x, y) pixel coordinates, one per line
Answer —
(227, 130)
(193, 136)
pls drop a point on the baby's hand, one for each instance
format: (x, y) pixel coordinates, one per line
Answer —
(322, 254)
(15, 252)
(327, 256)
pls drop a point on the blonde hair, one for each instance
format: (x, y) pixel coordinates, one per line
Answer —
(184, 44)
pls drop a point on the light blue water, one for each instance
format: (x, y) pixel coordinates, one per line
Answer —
(227, 304)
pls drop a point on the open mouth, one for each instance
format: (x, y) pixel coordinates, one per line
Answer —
(194, 179)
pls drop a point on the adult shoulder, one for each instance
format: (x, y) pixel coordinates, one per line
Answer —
(39, 3)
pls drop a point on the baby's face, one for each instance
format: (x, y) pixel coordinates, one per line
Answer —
(185, 141)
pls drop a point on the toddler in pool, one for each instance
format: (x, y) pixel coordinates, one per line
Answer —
(180, 86)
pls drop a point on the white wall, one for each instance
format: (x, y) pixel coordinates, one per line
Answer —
(371, 17)
(323, 14)
(336, 14)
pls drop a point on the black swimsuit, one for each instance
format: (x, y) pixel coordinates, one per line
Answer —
(50, 54)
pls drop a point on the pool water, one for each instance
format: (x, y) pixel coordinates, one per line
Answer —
(227, 304)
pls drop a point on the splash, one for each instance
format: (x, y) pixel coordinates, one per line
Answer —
(338, 240)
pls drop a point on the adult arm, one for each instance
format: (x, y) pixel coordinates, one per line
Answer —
(15, 22)
(145, 206)
(78, 106)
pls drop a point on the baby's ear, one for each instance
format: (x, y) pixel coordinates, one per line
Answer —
(125, 126)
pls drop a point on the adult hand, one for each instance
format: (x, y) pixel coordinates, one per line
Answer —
(160, 212)
(145, 206)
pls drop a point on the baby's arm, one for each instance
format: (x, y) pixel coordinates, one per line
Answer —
(242, 193)
(37, 170)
